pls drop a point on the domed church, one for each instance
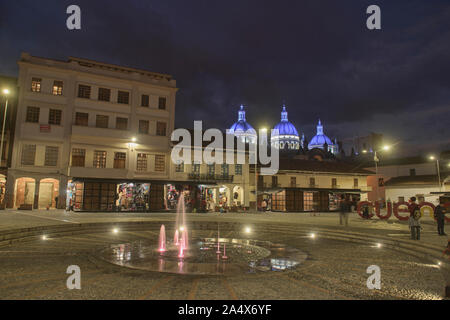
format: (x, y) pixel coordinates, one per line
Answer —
(243, 129)
(287, 138)
(321, 141)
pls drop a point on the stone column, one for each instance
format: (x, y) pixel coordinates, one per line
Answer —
(36, 193)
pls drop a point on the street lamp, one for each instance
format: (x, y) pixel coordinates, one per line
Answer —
(375, 159)
(432, 158)
(6, 93)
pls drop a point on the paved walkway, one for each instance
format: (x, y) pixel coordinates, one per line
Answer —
(18, 219)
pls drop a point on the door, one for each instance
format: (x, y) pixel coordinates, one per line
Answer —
(45, 194)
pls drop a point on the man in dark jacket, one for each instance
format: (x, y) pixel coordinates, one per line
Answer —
(439, 214)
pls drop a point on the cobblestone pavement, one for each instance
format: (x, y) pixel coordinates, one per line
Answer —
(334, 269)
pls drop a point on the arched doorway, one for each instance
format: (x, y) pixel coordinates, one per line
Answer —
(24, 191)
(224, 196)
(238, 196)
(48, 193)
(2, 190)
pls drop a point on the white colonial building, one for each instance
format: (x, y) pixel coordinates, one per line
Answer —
(89, 130)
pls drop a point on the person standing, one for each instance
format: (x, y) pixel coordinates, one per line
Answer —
(439, 215)
(414, 216)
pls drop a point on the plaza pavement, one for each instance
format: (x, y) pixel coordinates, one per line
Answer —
(19, 219)
(335, 268)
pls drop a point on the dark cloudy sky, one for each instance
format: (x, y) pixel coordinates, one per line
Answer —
(316, 55)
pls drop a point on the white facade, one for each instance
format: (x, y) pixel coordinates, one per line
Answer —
(68, 120)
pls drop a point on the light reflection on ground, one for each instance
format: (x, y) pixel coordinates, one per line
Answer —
(202, 257)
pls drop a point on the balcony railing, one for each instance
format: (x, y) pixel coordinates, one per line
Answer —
(210, 177)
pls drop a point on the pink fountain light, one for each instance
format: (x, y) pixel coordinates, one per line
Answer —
(162, 239)
(224, 252)
(180, 223)
(175, 238)
(218, 240)
(181, 253)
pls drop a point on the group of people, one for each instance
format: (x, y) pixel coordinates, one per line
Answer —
(414, 218)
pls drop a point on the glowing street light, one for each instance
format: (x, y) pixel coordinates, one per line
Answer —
(386, 148)
(432, 158)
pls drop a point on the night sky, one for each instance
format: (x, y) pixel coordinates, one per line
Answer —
(317, 56)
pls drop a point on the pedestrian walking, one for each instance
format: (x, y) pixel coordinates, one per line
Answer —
(439, 215)
(343, 211)
(414, 216)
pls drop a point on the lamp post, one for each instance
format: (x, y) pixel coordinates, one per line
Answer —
(6, 93)
(438, 171)
(375, 159)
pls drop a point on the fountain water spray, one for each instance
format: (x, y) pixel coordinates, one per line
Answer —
(162, 239)
(218, 240)
(224, 252)
(175, 238)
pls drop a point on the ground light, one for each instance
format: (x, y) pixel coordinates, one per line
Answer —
(115, 230)
(247, 230)
(312, 235)
(379, 245)
(181, 228)
(44, 237)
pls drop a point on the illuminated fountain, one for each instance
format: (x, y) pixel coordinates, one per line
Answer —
(203, 256)
(162, 239)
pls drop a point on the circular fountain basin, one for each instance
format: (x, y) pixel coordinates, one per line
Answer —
(203, 257)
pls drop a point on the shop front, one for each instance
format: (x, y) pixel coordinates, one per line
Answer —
(306, 200)
(115, 195)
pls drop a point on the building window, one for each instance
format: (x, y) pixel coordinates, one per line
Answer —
(196, 168)
(160, 163)
(293, 182)
(225, 169)
(57, 88)
(28, 154)
(81, 119)
(54, 116)
(412, 172)
(36, 84)
(84, 91)
(101, 121)
(261, 182)
(121, 123)
(104, 94)
(355, 182)
(145, 100)
(32, 114)
(141, 162)
(162, 103)
(160, 128)
(312, 182)
(99, 159)
(119, 160)
(143, 126)
(51, 156)
(333, 182)
(123, 97)
(179, 167)
(78, 157)
(211, 169)
(274, 181)
(238, 169)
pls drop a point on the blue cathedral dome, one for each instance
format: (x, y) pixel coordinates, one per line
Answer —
(242, 128)
(287, 137)
(319, 140)
(285, 127)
